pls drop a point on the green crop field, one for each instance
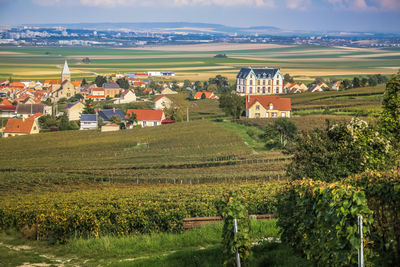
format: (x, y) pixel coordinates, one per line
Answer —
(304, 62)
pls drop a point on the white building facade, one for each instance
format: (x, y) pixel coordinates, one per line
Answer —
(260, 81)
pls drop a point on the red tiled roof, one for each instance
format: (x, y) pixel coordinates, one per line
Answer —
(95, 96)
(5, 102)
(207, 94)
(16, 125)
(266, 100)
(35, 116)
(145, 115)
(98, 89)
(159, 97)
(8, 108)
(17, 84)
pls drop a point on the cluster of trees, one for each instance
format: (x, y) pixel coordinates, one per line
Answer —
(344, 149)
(50, 122)
(370, 80)
(232, 104)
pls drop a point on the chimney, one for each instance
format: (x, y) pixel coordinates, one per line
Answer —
(113, 110)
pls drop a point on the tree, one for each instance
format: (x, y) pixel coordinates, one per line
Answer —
(339, 151)
(64, 123)
(178, 108)
(115, 119)
(198, 86)
(372, 80)
(221, 83)
(100, 80)
(186, 84)
(62, 100)
(203, 96)
(84, 82)
(89, 107)
(364, 82)
(86, 60)
(232, 104)
(389, 121)
(356, 82)
(287, 78)
(123, 83)
(132, 119)
(319, 80)
(47, 121)
(279, 133)
(346, 84)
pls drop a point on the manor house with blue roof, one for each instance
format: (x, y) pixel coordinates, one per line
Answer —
(261, 81)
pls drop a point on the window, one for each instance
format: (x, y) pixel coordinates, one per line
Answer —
(271, 106)
(258, 107)
(258, 82)
(283, 114)
(144, 123)
(266, 115)
(257, 115)
(269, 82)
(263, 82)
(277, 82)
(251, 82)
(269, 89)
(250, 90)
(155, 123)
(34, 128)
(274, 114)
(258, 89)
(277, 90)
(263, 90)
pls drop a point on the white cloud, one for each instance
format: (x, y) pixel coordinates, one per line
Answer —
(177, 3)
(371, 5)
(298, 4)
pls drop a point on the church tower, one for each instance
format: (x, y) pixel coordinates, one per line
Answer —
(65, 74)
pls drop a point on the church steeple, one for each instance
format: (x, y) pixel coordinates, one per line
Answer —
(65, 74)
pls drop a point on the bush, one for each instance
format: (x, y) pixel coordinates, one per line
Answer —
(382, 190)
(320, 220)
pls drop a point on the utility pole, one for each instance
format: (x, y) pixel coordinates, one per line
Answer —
(187, 113)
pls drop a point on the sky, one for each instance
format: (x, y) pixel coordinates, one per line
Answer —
(308, 15)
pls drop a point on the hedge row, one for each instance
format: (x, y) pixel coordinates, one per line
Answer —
(320, 220)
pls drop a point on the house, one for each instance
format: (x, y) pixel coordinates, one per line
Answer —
(167, 91)
(16, 126)
(74, 110)
(146, 117)
(107, 114)
(162, 102)
(127, 96)
(319, 87)
(27, 110)
(88, 121)
(111, 89)
(7, 111)
(264, 106)
(261, 81)
(110, 127)
(207, 95)
(294, 88)
(336, 85)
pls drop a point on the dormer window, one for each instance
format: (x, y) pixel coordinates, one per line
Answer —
(271, 106)
(258, 107)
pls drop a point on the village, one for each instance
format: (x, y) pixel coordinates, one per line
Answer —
(26, 107)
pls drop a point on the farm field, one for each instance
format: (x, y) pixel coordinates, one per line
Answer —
(198, 62)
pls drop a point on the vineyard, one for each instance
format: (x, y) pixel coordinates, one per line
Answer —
(189, 153)
(123, 210)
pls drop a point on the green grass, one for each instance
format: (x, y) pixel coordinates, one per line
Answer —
(197, 247)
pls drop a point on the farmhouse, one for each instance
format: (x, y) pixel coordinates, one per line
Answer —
(336, 85)
(207, 95)
(16, 126)
(162, 102)
(267, 107)
(294, 88)
(127, 96)
(88, 121)
(263, 81)
(147, 117)
(111, 89)
(74, 110)
(319, 87)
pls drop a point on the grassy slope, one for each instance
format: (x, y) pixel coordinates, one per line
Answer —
(197, 247)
